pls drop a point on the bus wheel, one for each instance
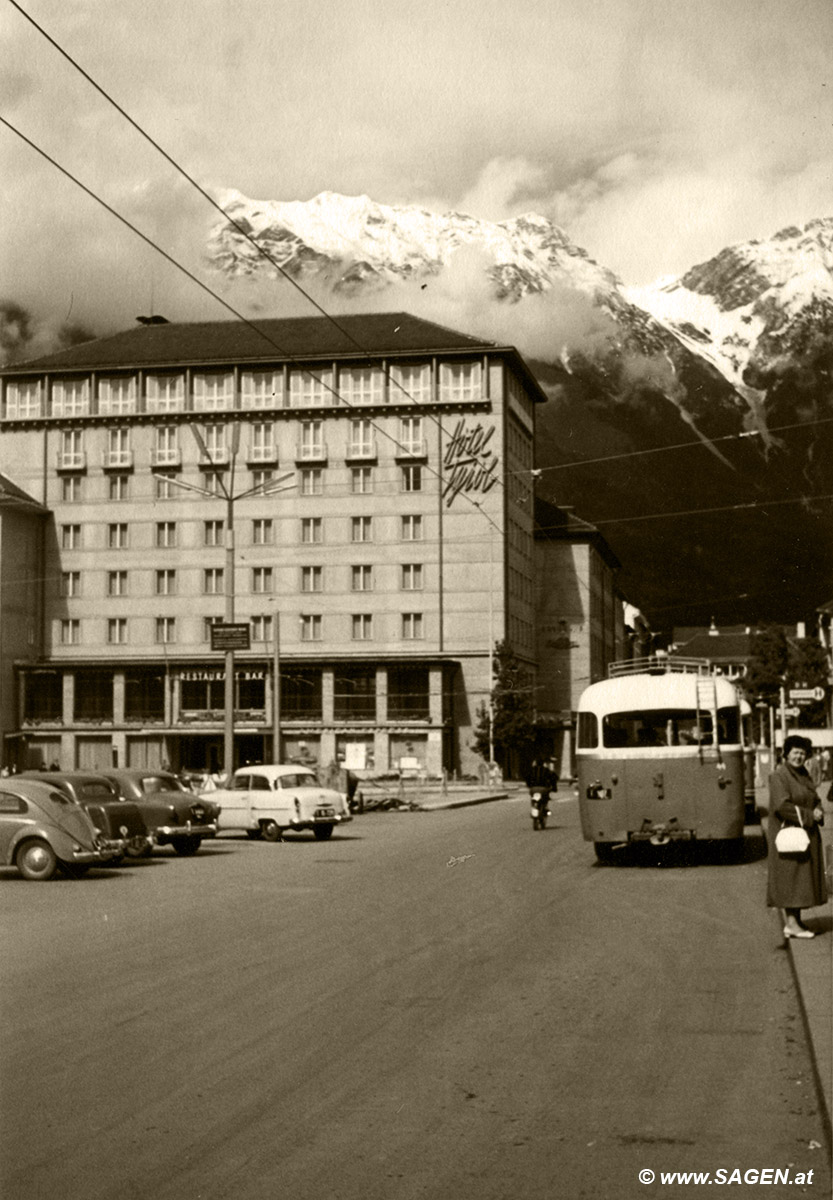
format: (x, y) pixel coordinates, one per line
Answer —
(604, 851)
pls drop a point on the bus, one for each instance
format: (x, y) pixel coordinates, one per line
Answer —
(660, 756)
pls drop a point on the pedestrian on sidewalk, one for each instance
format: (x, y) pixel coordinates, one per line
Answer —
(795, 881)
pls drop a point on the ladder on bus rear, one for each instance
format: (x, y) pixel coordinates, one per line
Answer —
(707, 706)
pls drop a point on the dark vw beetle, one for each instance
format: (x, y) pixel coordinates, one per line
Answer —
(119, 821)
(43, 831)
(173, 815)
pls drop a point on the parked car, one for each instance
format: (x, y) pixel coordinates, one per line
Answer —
(174, 816)
(43, 831)
(266, 800)
(118, 820)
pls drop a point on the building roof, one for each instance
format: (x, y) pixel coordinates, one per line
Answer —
(206, 342)
(732, 647)
(561, 524)
(13, 496)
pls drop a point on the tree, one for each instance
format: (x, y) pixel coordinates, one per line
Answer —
(778, 661)
(514, 712)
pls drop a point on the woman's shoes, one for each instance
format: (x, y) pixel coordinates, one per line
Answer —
(800, 932)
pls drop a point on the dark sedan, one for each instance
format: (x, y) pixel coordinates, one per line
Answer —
(173, 815)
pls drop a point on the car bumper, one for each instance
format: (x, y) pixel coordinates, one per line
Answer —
(166, 834)
(108, 848)
(311, 822)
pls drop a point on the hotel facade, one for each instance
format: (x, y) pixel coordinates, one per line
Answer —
(355, 491)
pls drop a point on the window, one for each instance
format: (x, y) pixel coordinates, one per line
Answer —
(166, 488)
(70, 583)
(213, 391)
(262, 442)
(361, 529)
(361, 481)
(362, 627)
(262, 628)
(71, 454)
(460, 382)
(166, 448)
(311, 529)
(408, 694)
(261, 580)
(588, 731)
(117, 394)
(354, 694)
(70, 398)
(144, 697)
(412, 529)
(94, 696)
(214, 482)
(261, 478)
(70, 632)
(117, 535)
(166, 582)
(261, 389)
(165, 393)
(117, 631)
(311, 389)
(311, 444)
(70, 537)
(412, 577)
(312, 481)
(71, 489)
(23, 400)
(166, 534)
(212, 581)
(117, 487)
(213, 533)
(262, 532)
(310, 627)
(362, 443)
(412, 479)
(214, 440)
(301, 694)
(312, 579)
(361, 578)
(117, 583)
(165, 630)
(411, 436)
(118, 448)
(412, 626)
(361, 385)
(43, 698)
(410, 382)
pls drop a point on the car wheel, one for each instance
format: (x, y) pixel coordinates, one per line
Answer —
(270, 831)
(322, 832)
(254, 834)
(186, 845)
(36, 860)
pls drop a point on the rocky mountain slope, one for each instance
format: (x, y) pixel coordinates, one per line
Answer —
(710, 392)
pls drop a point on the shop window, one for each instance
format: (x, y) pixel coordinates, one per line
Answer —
(355, 694)
(408, 694)
(94, 696)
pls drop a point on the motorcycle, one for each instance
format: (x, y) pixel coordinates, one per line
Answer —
(539, 807)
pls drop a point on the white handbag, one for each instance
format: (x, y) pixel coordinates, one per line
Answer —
(792, 839)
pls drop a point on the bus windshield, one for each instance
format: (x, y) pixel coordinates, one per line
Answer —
(669, 727)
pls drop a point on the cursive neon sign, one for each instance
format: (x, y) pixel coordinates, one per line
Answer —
(471, 466)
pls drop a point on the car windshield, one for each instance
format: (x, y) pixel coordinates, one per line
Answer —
(158, 783)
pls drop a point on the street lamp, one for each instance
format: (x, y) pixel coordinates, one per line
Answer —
(270, 488)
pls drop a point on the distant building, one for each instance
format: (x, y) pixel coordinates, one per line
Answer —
(402, 551)
(727, 650)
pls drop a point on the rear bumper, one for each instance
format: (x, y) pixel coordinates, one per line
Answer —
(311, 822)
(165, 834)
(110, 848)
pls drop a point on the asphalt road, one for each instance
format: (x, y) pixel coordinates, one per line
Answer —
(441, 1005)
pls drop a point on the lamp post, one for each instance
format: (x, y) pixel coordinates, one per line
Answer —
(270, 488)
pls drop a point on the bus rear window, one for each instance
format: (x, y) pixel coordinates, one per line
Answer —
(588, 731)
(669, 727)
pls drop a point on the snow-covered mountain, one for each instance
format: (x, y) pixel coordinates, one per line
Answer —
(707, 393)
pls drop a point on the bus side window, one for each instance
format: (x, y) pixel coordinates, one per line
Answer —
(588, 731)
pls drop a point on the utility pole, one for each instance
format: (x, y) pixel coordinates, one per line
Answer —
(276, 692)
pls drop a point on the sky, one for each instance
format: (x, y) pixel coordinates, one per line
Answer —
(655, 132)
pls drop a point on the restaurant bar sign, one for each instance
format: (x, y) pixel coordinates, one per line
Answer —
(469, 463)
(228, 636)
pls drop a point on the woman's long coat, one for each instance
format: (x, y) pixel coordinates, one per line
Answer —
(794, 880)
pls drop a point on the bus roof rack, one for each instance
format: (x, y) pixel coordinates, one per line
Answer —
(658, 664)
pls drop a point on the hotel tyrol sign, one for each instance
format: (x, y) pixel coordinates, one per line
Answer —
(469, 464)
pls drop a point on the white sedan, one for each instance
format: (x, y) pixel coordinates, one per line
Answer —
(266, 800)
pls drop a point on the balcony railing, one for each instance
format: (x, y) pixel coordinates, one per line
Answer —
(169, 456)
(72, 460)
(117, 460)
(362, 450)
(311, 452)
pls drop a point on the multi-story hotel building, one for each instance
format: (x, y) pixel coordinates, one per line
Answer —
(375, 470)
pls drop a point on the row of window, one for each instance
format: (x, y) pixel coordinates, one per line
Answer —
(311, 532)
(217, 391)
(302, 695)
(310, 482)
(214, 443)
(311, 579)
(117, 629)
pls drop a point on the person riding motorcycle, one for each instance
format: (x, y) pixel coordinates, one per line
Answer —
(542, 777)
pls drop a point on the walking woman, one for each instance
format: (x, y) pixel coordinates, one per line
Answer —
(795, 881)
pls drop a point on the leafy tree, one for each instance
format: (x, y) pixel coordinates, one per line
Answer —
(778, 661)
(514, 712)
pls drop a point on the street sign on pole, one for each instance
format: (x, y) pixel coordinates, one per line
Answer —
(807, 695)
(228, 635)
